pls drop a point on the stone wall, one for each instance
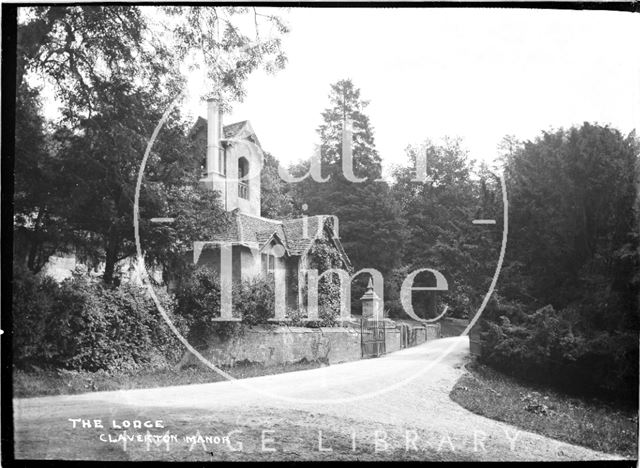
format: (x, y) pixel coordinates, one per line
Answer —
(282, 345)
(418, 336)
(433, 331)
(277, 345)
(391, 337)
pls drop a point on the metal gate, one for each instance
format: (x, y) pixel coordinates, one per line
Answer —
(372, 337)
(405, 333)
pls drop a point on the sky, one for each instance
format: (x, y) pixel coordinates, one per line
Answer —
(479, 74)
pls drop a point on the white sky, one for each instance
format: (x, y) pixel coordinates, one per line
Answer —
(475, 73)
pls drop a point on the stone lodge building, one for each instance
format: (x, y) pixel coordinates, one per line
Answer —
(259, 246)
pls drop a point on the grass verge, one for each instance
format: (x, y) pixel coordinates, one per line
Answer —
(589, 423)
(62, 382)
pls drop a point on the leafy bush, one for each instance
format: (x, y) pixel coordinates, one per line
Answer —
(33, 301)
(198, 302)
(550, 346)
(254, 301)
(572, 263)
(323, 256)
(85, 325)
(327, 316)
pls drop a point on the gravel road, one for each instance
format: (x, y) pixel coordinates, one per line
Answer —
(393, 407)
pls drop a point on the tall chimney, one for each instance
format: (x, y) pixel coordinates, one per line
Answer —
(214, 130)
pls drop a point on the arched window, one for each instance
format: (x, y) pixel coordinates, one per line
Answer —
(243, 171)
(243, 167)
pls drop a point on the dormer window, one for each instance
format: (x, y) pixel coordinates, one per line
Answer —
(243, 171)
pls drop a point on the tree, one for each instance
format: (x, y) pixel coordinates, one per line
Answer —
(573, 244)
(370, 223)
(38, 232)
(346, 103)
(276, 200)
(572, 193)
(229, 54)
(82, 48)
(100, 162)
(95, 57)
(114, 78)
(440, 235)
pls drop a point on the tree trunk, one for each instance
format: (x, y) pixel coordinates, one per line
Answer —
(36, 245)
(111, 258)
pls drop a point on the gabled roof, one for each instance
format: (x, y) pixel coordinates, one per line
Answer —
(253, 230)
(299, 241)
(257, 229)
(238, 130)
(300, 238)
(273, 238)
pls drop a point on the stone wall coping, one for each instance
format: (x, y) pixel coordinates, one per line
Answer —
(418, 326)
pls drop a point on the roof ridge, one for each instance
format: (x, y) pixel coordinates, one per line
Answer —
(203, 119)
(260, 217)
(303, 217)
(284, 234)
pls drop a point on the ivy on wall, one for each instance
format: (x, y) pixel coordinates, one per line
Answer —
(322, 256)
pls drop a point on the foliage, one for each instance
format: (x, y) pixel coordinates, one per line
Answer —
(573, 248)
(323, 256)
(571, 195)
(567, 306)
(84, 325)
(214, 37)
(100, 166)
(328, 314)
(370, 225)
(276, 201)
(254, 300)
(548, 347)
(64, 382)
(83, 49)
(346, 103)
(33, 304)
(114, 77)
(198, 303)
(38, 232)
(439, 233)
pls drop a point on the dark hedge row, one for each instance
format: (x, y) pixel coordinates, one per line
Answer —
(548, 347)
(83, 324)
(86, 325)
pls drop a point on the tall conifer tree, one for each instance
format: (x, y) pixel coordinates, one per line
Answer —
(370, 223)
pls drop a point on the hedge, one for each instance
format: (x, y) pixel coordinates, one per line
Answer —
(551, 347)
(85, 325)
